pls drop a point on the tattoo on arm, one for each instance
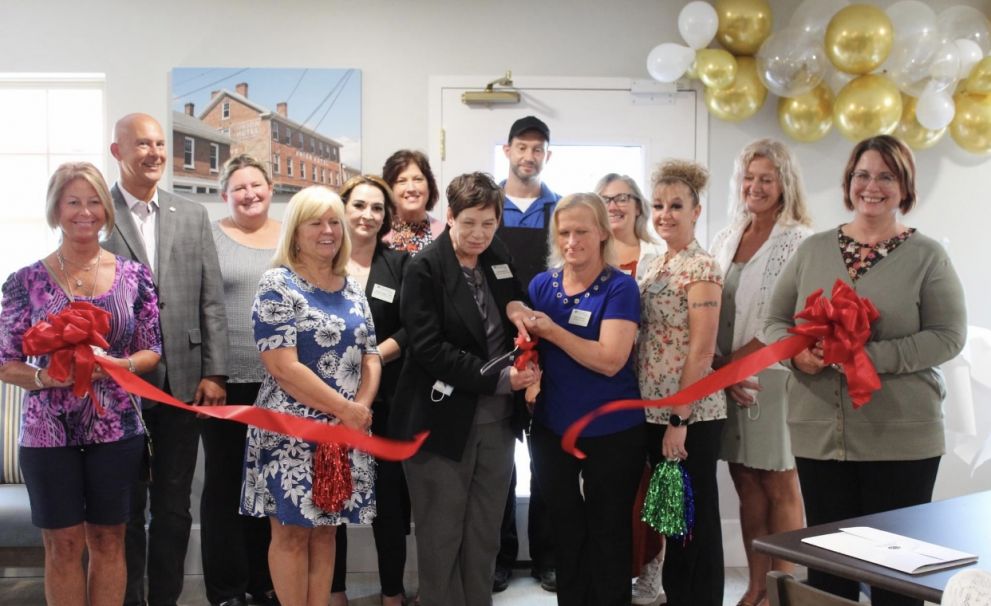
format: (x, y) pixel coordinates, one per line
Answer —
(705, 304)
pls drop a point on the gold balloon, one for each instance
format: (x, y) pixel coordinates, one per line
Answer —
(979, 79)
(910, 131)
(859, 38)
(807, 117)
(743, 25)
(741, 99)
(692, 73)
(867, 106)
(716, 68)
(971, 126)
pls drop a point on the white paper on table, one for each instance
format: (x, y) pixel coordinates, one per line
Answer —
(891, 550)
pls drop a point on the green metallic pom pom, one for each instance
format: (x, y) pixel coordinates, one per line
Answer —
(664, 505)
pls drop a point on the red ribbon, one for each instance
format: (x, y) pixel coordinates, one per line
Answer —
(842, 325)
(68, 335)
(528, 352)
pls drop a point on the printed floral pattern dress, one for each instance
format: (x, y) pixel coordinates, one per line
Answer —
(331, 331)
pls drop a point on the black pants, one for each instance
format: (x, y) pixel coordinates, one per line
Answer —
(591, 500)
(693, 573)
(390, 527)
(836, 490)
(538, 526)
(234, 547)
(175, 434)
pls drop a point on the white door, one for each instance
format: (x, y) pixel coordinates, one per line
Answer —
(598, 126)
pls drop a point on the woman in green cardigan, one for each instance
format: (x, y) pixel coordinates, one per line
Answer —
(885, 455)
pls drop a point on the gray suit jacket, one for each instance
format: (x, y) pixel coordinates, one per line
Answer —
(190, 290)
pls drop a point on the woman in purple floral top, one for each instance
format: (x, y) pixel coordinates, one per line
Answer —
(79, 464)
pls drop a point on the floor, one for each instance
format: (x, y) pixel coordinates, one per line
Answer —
(362, 590)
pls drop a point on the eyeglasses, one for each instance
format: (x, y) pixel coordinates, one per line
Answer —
(884, 180)
(620, 199)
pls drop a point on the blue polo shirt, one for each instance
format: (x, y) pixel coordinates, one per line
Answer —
(568, 390)
(512, 216)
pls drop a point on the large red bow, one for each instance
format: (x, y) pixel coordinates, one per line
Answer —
(843, 324)
(69, 337)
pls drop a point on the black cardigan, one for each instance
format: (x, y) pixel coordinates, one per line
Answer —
(446, 341)
(386, 272)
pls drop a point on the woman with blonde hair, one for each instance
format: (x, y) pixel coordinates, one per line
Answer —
(586, 313)
(679, 298)
(770, 220)
(313, 328)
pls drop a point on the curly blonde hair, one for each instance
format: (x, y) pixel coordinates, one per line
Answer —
(692, 174)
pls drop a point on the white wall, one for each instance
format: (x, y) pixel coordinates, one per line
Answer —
(397, 45)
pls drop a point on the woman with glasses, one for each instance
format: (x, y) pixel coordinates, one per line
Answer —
(769, 221)
(885, 454)
(635, 247)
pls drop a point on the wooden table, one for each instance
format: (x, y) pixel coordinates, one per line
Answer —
(962, 523)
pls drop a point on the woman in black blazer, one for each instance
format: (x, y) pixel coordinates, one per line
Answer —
(379, 270)
(455, 298)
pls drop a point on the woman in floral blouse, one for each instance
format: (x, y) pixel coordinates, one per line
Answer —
(414, 193)
(679, 300)
(317, 342)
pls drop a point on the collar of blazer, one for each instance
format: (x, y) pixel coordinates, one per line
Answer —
(124, 225)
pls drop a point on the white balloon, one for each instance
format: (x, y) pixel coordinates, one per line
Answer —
(791, 62)
(915, 42)
(964, 22)
(945, 67)
(669, 61)
(812, 16)
(935, 109)
(969, 53)
(698, 23)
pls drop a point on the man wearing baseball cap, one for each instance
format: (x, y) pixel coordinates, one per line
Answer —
(528, 200)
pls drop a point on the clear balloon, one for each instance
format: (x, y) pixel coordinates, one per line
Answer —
(913, 46)
(743, 98)
(697, 24)
(971, 126)
(910, 131)
(743, 25)
(812, 16)
(791, 62)
(969, 53)
(858, 38)
(807, 117)
(934, 109)
(965, 22)
(668, 61)
(867, 106)
(979, 79)
(715, 67)
(944, 68)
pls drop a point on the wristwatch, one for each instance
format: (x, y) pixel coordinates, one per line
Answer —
(676, 421)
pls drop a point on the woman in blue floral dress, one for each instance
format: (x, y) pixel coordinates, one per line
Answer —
(317, 342)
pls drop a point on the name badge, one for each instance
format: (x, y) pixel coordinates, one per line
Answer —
(383, 293)
(656, 287)
(502, 271)
(580, 317)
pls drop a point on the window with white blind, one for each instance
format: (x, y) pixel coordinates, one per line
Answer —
(47, 119)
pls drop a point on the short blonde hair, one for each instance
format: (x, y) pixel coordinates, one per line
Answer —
(69, 172)
(307, 205)
(581, 200)
(794, 210)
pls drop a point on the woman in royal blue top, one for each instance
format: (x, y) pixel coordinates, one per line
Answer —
(586, 313)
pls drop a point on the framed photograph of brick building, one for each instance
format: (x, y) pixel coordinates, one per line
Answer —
(304, 123)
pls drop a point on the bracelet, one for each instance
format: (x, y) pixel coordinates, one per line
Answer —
(130, 365)
(37, 379)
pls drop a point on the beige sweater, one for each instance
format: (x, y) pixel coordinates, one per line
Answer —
(923, 324)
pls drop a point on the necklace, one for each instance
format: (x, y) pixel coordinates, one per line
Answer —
(82, 266)
(79, 283)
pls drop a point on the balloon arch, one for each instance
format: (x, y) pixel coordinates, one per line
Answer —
(905, 70)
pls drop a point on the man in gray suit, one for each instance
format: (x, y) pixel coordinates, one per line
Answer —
(172, 237)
